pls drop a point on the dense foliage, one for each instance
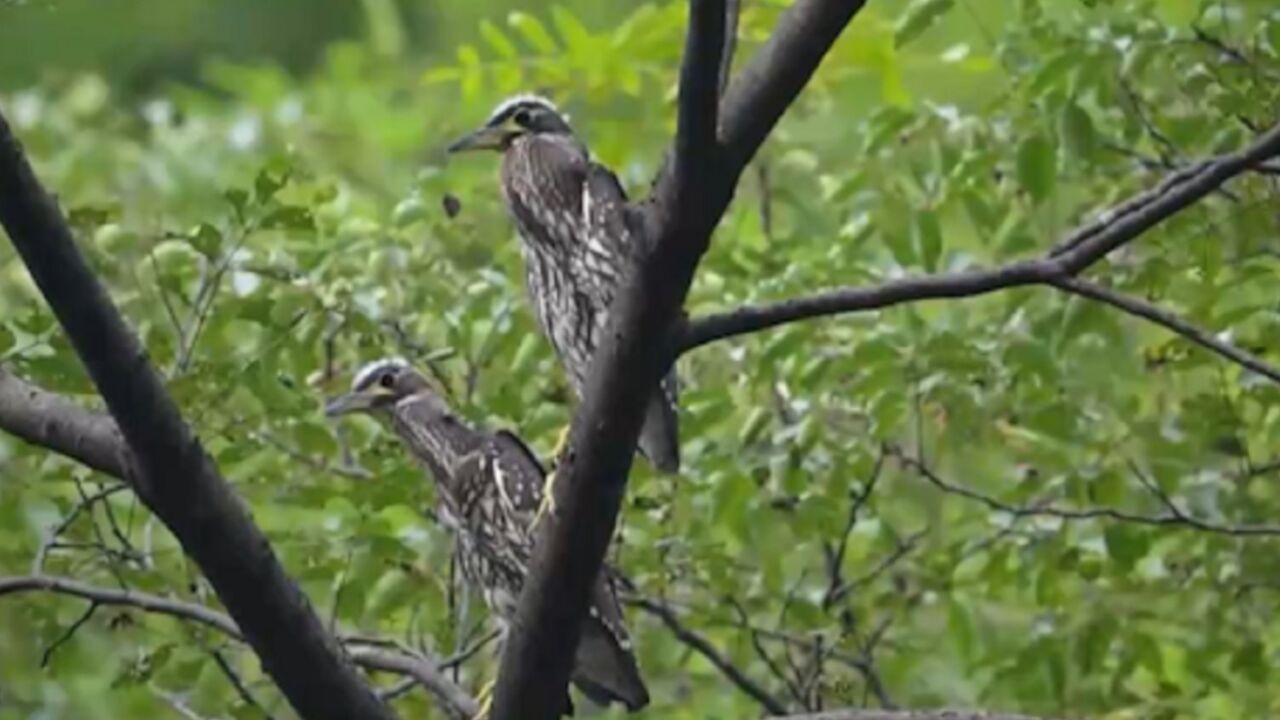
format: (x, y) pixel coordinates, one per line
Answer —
(891, 494)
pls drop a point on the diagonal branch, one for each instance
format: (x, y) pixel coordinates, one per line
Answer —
(1160, 316)
(422, 669)
(704, 648)
(1078, 250)
(174, 476)
(677, 220)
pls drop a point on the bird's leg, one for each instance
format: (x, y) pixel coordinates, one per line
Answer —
(485, 699)
(548, 504)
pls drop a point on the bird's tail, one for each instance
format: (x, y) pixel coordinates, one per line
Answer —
(660, 436)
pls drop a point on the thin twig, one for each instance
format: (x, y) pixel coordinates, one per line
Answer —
(1174, 519)
(66, 635)
(1165, 318)
(704, 647)
(391, 659)
(241, 689)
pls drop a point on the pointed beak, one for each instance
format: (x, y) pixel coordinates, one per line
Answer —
(486, 138)
(349, 403)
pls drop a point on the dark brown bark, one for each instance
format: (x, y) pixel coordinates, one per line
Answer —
(172, 473)
(686, 204)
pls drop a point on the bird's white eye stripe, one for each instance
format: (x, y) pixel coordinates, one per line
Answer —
(365, 376)
(507, 107)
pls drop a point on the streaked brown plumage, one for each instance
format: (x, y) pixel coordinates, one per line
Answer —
(491, 485)
(578, 240)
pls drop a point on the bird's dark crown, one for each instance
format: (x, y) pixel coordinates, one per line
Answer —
(392, 376)
(532, 113)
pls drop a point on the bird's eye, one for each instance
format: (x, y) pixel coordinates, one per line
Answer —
(523, 117)
(387, 380)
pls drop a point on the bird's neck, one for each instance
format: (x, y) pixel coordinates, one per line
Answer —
(439, 443)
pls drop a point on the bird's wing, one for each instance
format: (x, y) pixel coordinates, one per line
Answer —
(605, 206)
(519, 473)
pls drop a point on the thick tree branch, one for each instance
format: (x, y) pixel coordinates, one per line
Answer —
(421, 669)
(50, 420)
(704, 648)
(686, 205)
(1078, 250)
(732, 14)
(174, 476)
(767, 86)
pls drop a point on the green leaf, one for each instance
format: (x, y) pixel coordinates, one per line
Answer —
(1037, 166)
(917, 18)
(1078, 135)
(267, 184)
(206, 239)
(293, 217)
(533, 31)
(1126, 544)
(498, 41)
(927, 236)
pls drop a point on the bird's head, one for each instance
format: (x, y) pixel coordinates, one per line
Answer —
(379, 386)
(516, 116)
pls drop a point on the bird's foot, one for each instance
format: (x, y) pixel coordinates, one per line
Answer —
(548, 504)
(485, 700)
(562, 441)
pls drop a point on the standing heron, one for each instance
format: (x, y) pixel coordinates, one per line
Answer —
(490, 493)
(578, 241)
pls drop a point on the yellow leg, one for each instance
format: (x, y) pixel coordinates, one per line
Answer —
(548, 504)
(485, 699)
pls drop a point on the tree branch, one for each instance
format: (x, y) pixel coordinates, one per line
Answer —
(50, 420)
(175, 477)
(1160, 316)
(858, 714)
(1175, 516)
(422, 669)
(1078, 250)
(704, 648)
(686, 205)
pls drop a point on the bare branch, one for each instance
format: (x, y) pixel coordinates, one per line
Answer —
(453, 698)
(175, 476)
(109, 596)
(424, 670)
(1078, 250)
(1175, 518)
(1160, 316)
(859, 714)
(65, 636)
(49, 420)
(236, 682)
(704, 648)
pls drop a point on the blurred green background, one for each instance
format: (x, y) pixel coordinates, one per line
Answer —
(141, 45)
(260, 186)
